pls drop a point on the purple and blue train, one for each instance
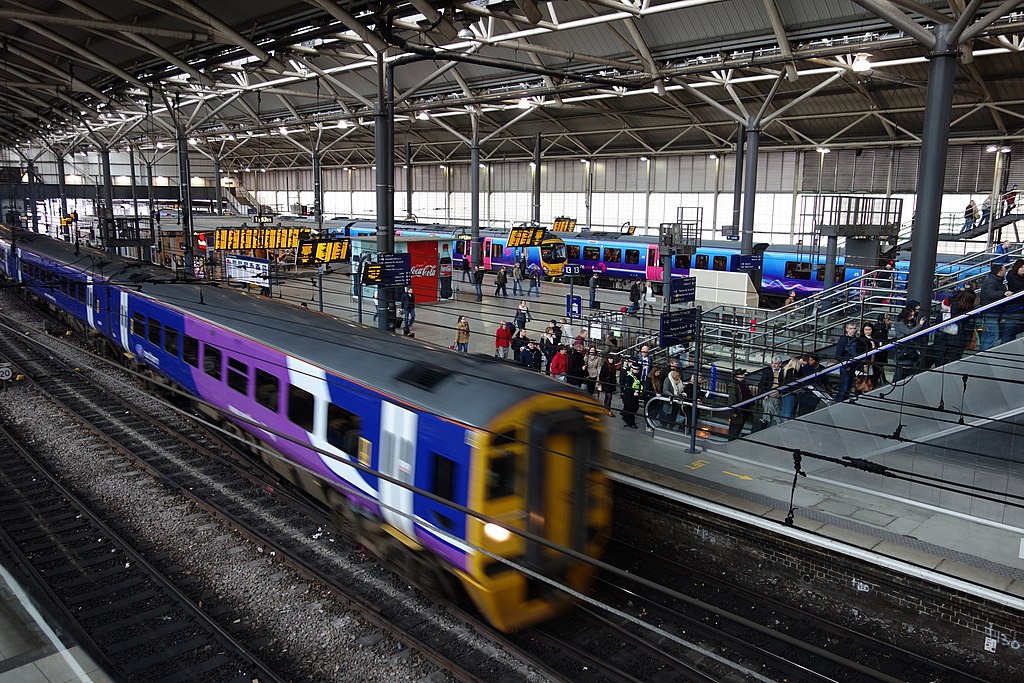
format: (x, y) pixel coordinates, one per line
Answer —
(460, 471)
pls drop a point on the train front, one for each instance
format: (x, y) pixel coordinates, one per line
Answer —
(552, 255)
(537, 472)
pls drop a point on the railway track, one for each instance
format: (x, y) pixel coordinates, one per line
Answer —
(141, 625)
(186, 458)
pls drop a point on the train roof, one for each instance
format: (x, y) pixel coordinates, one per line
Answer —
(468, 388)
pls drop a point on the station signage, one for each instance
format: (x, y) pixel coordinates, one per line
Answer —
(525, 236)
(677, 327)
(262, 220)
(234, 239)
(397, 269)
(319, 251)
(373, 274)
(573, 306)
(683, 290)
(572, 269)
(564, 224)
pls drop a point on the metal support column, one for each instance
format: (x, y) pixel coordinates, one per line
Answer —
(152, 206)
(749, 190)
(932, 169)
(536, 178)
(408, 181)
(33, 188)
(217, 188)
(737, 186)
(135, 189)
(185, 199)
(831, 251)
(318, 190)
(389, 156)
(380, 138)
(474, 192)
(107, 217)
(62, 188)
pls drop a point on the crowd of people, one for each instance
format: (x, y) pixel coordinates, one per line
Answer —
(979, 216)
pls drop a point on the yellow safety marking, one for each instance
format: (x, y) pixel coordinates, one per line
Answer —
(697, 464)
(738, 476)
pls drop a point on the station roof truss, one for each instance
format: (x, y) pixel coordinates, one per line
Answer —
(264, 84)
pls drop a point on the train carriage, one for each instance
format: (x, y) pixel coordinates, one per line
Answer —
(408, 445)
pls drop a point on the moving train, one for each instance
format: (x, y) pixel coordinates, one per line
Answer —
(404, 443)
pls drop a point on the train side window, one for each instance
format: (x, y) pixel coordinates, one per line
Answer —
(496, 249)
(343, 429)
(683, 261)
(572, 251)
(591, 253)
(701, 262)
(612, 255)
(840, 273)
(796, 270)
(267, 388)
(213, 360)
(139, 324)
(460, 246)
(632, 256)
(155, 328)
(444, 477)
(720, 263)
(80, 292)
(190, 351)
(171, 340)
(238, 376)
(300, 407)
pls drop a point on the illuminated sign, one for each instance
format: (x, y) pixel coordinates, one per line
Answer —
(564, 224)
(373, 273)
(525, 236)
(262, 219)
(313, 253)
(257, 238)
(631, 230)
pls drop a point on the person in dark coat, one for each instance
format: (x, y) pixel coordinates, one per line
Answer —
(608, 379)
(576, 374)
(739, 392)
(631, 389)
(1013, 317)
(846, 348)
(478, 283)
(992, 290)
(500, 283)
(530, 356)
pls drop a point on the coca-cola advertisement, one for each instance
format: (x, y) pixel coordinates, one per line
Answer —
(423, 269)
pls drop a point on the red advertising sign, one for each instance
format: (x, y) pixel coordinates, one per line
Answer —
(423, 269)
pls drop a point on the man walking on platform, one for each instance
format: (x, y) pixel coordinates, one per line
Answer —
(593, 290)
(478, 283)
(409, 311)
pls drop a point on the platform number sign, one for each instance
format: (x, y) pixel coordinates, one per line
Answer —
(572, 269)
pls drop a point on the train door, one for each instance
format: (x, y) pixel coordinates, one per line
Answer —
(487, 253)
(397, 460)
(653, 264)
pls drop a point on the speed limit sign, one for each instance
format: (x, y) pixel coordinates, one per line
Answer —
(6, 374)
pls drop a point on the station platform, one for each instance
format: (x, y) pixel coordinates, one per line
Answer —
(35, 650)
(953, 542)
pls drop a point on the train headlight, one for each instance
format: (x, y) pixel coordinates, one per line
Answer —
(496, 532)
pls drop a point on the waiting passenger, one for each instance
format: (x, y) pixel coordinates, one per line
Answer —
(790, 392)
(738, 393)
(559, 364)
(908, 354)
(462, 334)
(608, 377)
(530, 356)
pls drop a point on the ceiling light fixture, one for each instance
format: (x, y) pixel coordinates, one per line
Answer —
(823, 150)
(713, 156)
(524, 103)
(644, 159)
(861, 63)
(466, 33)
(343, 124)
(422, 115)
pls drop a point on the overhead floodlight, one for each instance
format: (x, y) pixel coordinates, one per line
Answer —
(466, 33)
(248, 169)
(1005, 150)
(343, 124)
(283, 130)
(443, 167)
(644, 159)
(585, 162)
(524, 103)
(263, 170)
(193, 141)
(713, 156)
(992, 148)
(159, 145)
(483, 165)
(533, 164)
(422, 115)
(823, 150)
(861, 63)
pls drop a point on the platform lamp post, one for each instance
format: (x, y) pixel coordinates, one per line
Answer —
(995, 201)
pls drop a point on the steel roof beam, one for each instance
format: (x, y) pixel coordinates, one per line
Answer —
(105, 25)
(889, 12)
(345, 17)
(779, 27)
(231, 34)
(87, 54)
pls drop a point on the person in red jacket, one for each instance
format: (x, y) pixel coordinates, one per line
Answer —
(502, 340)
(560, 363)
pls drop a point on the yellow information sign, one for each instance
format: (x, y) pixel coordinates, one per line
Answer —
(235, 239)
(525, 236)
(564, 224)
(313, 253)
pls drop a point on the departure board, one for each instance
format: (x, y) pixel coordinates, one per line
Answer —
(525, 236)
(234, 239)
(564, 224)
(317, 252)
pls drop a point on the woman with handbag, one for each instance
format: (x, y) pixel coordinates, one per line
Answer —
(869, 374)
